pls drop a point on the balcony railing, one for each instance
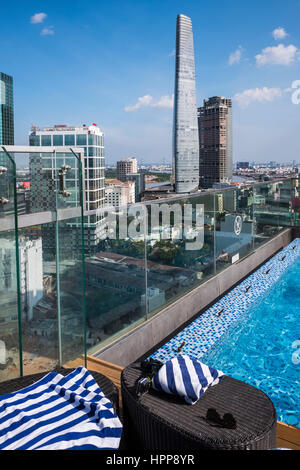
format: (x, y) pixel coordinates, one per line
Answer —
(73, 280)
(41, 260)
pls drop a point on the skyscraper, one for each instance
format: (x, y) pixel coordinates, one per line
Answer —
(215, 141)
(185, 127)
(6, 110)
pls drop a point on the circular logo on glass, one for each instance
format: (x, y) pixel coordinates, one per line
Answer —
(238, 225)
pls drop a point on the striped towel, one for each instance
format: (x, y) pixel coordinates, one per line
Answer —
(61, 413)
(186, 377)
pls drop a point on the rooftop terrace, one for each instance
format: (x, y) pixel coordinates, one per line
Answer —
(62, 300)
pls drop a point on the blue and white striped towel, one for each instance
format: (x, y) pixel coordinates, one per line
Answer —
(60, 413)
(186, 377)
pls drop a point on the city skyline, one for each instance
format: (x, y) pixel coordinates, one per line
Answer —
(80, 73)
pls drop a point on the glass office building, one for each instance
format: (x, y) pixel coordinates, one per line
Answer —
(185, 128)
(91, 139)
(6, 110)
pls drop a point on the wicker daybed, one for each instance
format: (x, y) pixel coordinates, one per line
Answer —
(158, 421)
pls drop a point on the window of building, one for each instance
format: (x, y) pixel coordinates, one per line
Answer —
(47, 163)
(69, 139)
(81, 139)
(92, 139)
(34, 140)
(92, 151)
(58, 140)
(46, 140)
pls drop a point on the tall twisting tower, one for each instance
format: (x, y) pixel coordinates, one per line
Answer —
(185, 127)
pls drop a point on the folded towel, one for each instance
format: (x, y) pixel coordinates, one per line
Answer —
(61, 413)
(186, 377)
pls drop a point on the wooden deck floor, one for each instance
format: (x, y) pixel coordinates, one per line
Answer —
(287, 436)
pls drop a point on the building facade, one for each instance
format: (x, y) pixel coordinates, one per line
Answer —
(43, 172)
(31, 275)
(6, 110)
(185, 126)
(242, 165)
(215, 141)
(119, 193)
(128, 165)
(139, 181)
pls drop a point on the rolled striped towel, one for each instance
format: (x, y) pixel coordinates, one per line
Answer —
(187, 377)
(59, 413)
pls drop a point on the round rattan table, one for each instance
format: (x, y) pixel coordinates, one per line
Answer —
(159, 421)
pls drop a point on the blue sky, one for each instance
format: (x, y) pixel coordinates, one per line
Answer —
(112, 62)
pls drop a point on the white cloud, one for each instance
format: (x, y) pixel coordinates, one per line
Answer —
(38, 18)
(147, 101)
(164, 102)
(47, 31)
(172, 53)
(141, 103)
(280, 55)
(279, 33)
(261, 95)
(235, 56)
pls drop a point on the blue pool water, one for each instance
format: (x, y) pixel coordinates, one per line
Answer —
(263, 347)
(256, 339)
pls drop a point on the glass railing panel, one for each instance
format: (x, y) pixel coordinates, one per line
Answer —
(36, 182)
(46, 181)
(272, 207)
(71, 312)
(115, 273)
(234, 225)
(180, 248)
(295, 201)
(10, 345)
(51, 262)
(67, 169)
(39, 300)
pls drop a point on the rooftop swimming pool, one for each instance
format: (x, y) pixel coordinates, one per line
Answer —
(253, 333)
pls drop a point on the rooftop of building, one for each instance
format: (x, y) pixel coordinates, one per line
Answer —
(116, 182)
(130, 159)
(92, 129)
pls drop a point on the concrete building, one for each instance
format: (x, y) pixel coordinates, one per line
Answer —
(126, 166)
(215, 141)
(139, 180)
(155, 297)
(31, 275)
(158, 192)
(119, 193)
(6, 110)
(242, 165)
(185, 127)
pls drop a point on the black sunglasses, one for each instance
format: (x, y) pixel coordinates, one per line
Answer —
(214, 419)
